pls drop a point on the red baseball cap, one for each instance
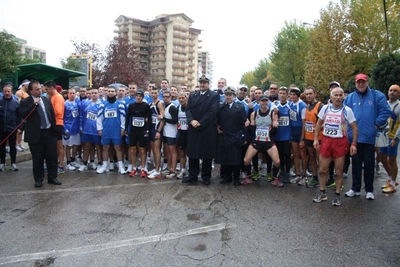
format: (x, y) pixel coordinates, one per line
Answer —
(361, 76)
(59, 88)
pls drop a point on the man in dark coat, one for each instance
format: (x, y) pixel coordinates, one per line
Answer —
(231, 127)
(201, 113)
(40, 133)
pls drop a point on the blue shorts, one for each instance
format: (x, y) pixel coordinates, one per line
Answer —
(295, 134)
(115, 141)
(152, 135)
(96, 139)
(390, 151)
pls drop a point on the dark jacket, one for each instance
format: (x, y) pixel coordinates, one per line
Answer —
(9, 114)
(231, 121)
(32, 126)
(202, 142)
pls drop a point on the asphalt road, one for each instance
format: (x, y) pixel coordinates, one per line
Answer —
(114, 220)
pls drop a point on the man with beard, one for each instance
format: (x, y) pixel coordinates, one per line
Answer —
(110, 124)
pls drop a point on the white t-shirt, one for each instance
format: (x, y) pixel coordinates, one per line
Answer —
(336, 121)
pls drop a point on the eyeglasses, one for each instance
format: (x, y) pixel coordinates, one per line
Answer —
(167, 96)
(275, 88)
(243, 89)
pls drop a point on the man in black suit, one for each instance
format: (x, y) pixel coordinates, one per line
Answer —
(231, 130)
(201, 113)
(40, 133)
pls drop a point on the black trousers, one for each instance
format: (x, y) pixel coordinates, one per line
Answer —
(226, 172)
(194, 169)
(45, 149)
(11, 141)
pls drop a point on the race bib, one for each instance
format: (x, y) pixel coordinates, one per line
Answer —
(309, 127)
(111, 113)
(331, 130)
(154, 119)
(283, 121)
(75, 113)
(91, 116)
(137, 122)
(293, 115)
(262, 132)
(182, 123)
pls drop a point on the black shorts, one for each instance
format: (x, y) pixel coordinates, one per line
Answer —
(262, 146)
(59, 130)
(137, 138)
(309, 143)
(169, 141)
(182, 139)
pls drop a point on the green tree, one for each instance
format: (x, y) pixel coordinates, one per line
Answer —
(328, 58)
(386, 72)
(10, 55)
(289, 54)
(248, 79)
(262, 74)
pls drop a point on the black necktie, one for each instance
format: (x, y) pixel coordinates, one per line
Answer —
(43, 123)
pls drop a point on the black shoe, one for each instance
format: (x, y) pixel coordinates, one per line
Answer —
(206, 182)
(54, 181)
(223, 181)
(237, 183)
(186, 180)
(38, 184)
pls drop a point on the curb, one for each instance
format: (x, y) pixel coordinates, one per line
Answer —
(21, 156)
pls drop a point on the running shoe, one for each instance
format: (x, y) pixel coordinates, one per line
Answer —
(155, 175)
(320, 197)
(352, 193)
(143, 174)
(171, 175)
(389, 189)
(82, 168)
(303, 181)
(255, 176)
(330, 183)
(277, 182)
(133, 173)
(296, 179)
(14, 167)
(313, 183)
(336, 200)
(60, 170)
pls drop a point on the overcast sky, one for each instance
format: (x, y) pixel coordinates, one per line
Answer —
(237, 36)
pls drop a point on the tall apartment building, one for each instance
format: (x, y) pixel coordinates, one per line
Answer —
(31, 52)
(205, 64)
(168, 46)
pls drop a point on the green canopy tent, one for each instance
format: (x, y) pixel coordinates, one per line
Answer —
(42, 73)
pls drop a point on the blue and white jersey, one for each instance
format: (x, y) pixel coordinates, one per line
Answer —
(82, 106)
(297, 113)
(111, 119)
(71, 117)
(88, 118)
(244, 104)
(284, 121)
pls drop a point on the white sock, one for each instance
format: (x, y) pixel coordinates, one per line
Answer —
(120, 164)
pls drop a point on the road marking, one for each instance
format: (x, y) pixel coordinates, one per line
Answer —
(77, 189)
(113, 245)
